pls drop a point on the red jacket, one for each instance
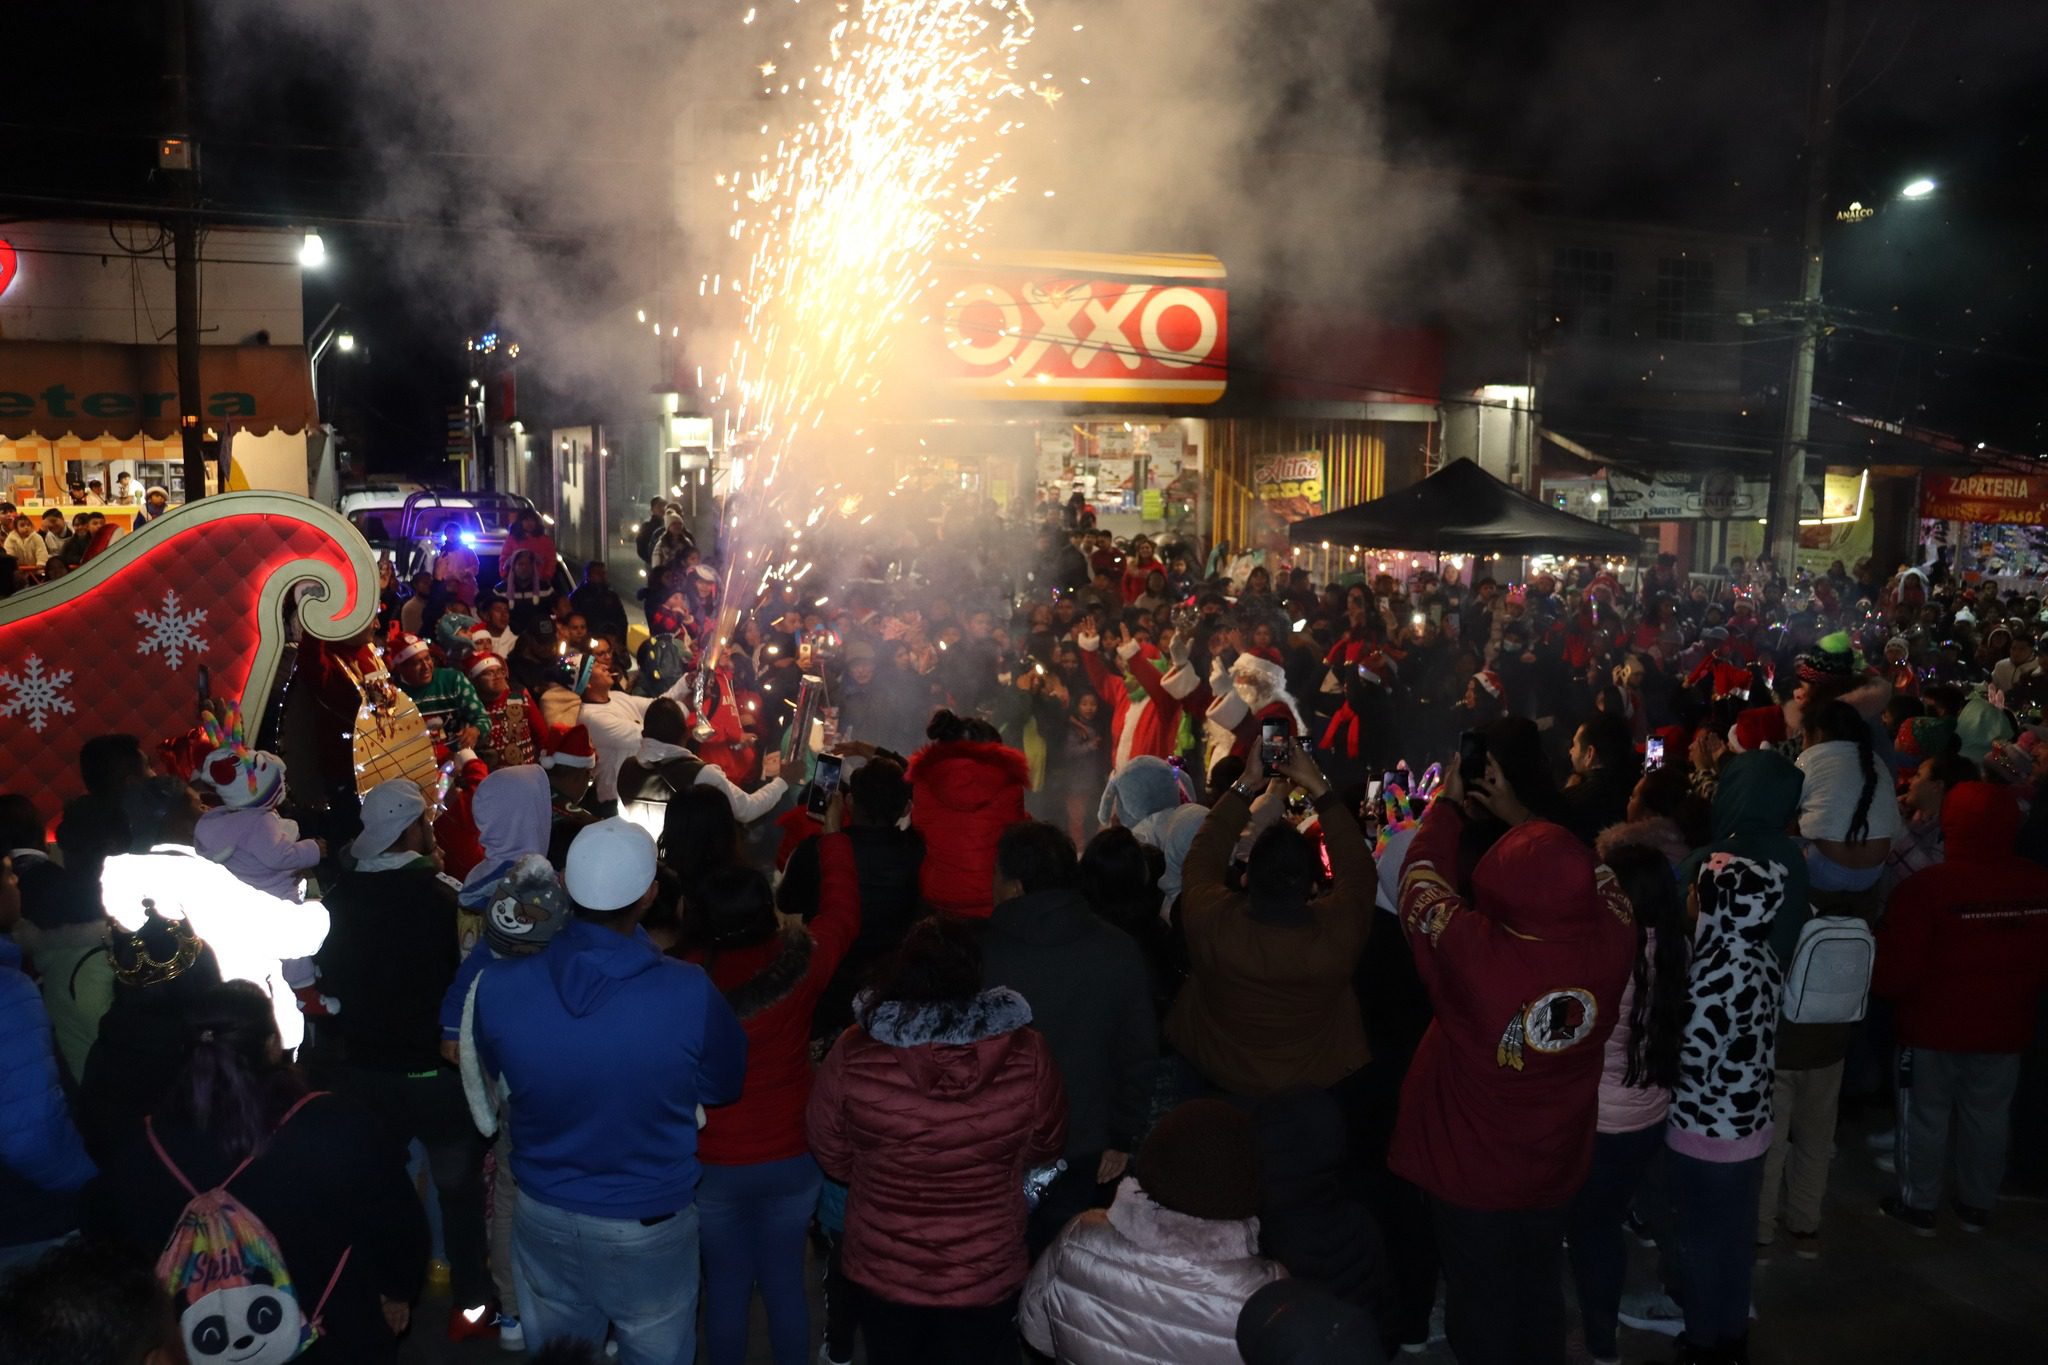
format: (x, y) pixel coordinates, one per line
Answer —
(932, 1115)
(773, 987)
(1963, 953)
(1500, 1104)
(963, 795)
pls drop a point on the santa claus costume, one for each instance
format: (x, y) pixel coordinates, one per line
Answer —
(1253, 692)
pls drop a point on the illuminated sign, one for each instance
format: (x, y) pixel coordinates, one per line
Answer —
(1086, 328)
(9, 264)
(1990, 499)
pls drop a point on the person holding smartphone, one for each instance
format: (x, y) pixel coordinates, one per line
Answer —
(1525, 970)
(1268, 1005)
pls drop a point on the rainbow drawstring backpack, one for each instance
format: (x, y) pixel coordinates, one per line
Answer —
(227, 1278)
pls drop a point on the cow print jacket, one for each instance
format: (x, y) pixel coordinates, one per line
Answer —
(1726, 1060)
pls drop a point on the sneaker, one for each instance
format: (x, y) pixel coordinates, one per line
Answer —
(472, 1324)
(1652, 1312)
(1806, 1245)
(1973, 1220)
(1883, 1140)
(1920, 1220)
(511, 1336)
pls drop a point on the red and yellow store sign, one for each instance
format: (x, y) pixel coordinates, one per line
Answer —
(1085, 327)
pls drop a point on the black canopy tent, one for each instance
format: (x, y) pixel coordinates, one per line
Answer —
(1462, 509)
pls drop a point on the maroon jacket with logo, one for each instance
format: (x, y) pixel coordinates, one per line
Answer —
(1963, 953)
(1500, 1104)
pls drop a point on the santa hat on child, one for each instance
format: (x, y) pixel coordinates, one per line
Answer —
(482, 660)
(1760, 727)
(571, 749)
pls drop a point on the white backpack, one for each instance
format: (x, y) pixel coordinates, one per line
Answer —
(1829, 979)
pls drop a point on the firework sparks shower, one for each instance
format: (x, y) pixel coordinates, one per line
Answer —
(889, 166)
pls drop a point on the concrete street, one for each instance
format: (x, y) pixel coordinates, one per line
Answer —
(1878, 1296)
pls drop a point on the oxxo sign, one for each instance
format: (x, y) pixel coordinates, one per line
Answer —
(1106, 329)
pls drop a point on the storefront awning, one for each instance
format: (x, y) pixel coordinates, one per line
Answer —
(92, 389)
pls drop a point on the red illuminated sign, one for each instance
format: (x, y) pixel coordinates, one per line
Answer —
(1088, 328)
(9, 263)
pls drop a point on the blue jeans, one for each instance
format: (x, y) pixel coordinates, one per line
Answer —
(1593, 1229)
(754, 1220)
(578, 1274)
(1716, 1203)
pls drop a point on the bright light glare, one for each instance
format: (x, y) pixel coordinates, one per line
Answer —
(1918, 189)
(345, 342)
(250, 932)
(312, 252)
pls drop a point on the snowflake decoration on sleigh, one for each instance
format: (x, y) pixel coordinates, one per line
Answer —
(37, 694)
(174, 632)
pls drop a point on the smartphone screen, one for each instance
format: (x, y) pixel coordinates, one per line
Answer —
(1374, 804)
(1653, 753)
(824, 782)
(1273, 742)
(1471, 756)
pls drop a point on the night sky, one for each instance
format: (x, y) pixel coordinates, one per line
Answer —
(1662, 112)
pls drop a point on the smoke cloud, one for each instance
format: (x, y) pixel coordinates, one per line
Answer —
(589, 132)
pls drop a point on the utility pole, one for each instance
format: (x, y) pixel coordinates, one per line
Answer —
(1782, 544)
(178, 157)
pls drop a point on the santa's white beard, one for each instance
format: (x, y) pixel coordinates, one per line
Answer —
(1252, 695)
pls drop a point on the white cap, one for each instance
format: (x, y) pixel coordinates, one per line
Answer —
(389, 809)
(610, 865)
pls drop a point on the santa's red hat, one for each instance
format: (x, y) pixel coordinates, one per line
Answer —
(1760, 727)
(571, 750)
(406, 647)
(1375, 667)
(1490, 681)
(481, 660)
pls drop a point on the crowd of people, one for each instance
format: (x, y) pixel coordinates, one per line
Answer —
(1193, 962)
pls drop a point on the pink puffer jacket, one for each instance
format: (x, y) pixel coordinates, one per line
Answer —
(932, 1114)
(1625, 1108)
(1137, 1283)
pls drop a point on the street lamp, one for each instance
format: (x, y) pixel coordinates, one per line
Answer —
(1917, 189)
(345, 342)
(312, 252)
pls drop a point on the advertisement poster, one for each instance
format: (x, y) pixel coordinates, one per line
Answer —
(1288, 488)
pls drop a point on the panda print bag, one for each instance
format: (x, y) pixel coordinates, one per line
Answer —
(227, 1277)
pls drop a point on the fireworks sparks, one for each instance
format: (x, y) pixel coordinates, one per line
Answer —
(888, 166)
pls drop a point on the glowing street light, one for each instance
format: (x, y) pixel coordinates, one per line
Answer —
(1917, 189)
(345, 342)
(312, 252)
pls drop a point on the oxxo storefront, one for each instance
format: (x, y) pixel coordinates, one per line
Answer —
(1130, 379)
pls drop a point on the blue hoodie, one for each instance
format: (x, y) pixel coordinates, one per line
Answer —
(607, 1048)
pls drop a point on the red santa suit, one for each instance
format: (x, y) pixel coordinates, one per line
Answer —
(1252, 693)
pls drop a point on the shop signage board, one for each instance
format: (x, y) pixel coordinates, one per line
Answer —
(51, 388)
(1993, 499)
(1290, 485)
(1085, 327)
(1685, 497)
